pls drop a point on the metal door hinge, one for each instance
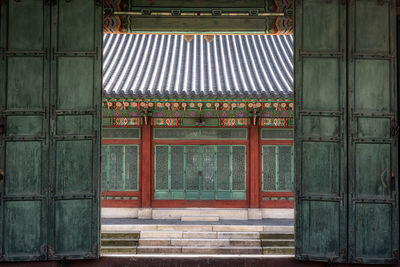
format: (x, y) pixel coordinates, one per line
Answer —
(393, 181)
(395, 127)
(43, 252)
(2, 175)
(2, 125)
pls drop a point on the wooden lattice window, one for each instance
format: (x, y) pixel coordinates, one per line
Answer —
(200, 172)
(120, 168)
(277, 168)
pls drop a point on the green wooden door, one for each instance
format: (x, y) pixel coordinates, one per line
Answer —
(373, 147)
(320, 155)
(50, 90)
(24, 143)
(75, 128)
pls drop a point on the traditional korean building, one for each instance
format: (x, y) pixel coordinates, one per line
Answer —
(197, 121)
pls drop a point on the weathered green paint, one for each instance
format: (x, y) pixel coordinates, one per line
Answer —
(50, 102)
(24, 146)
(320, 159)
(200, 172)
(76, 62)
(368, 232)
(373, 151)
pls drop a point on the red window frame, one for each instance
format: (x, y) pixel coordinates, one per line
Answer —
(123, 203)
(282, 197)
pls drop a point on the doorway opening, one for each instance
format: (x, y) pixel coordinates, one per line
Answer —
(198, 136)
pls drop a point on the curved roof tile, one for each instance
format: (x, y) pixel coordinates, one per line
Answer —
(167, 66)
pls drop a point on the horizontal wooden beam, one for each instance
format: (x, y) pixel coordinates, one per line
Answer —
(220, 17)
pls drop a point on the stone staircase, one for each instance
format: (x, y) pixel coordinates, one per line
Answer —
(197, 239)
(277, 243)
(119, 243)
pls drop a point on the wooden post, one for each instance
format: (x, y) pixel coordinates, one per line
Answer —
(146, 174)
(254, 187)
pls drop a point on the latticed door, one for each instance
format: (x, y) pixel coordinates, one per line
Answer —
(196, 172)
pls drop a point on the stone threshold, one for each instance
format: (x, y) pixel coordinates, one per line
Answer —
(177, 214)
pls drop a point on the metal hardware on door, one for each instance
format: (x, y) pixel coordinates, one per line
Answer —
(1, 176)
(393, 181)
(395, 128)
(2, 125)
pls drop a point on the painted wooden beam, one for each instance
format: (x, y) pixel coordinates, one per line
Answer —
(138, 22)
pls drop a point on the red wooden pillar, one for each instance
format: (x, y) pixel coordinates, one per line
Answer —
(254, 137)
(146, 165)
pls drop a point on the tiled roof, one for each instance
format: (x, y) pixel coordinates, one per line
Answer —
(225, 66)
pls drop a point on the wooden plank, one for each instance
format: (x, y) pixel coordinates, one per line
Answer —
(24, 87)
(373, 148)
(76, 61)
(320, 162)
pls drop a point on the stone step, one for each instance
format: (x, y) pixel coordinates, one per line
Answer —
(222, 250)
(199, 218)
(201, 242)
(238, 235)
(120, 235)
(118, 250)
(161, 234)
(237, 228)
(278, 250)
(277, 243)
(197, 250)
(159, 250)
(275, 235)
(180, 234)
(196, 228)
(199, 235)
(119, 242)
(278, 228)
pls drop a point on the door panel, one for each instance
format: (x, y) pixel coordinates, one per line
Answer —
(322, 222)
(320, 164)
(24, 46)
(73, 227)
(373, 168)
(75, 83)
(75, 127)
(32, 71)
(23, 230)
(26, 25)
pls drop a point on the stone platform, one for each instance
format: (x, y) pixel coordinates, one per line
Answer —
(224, 237)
